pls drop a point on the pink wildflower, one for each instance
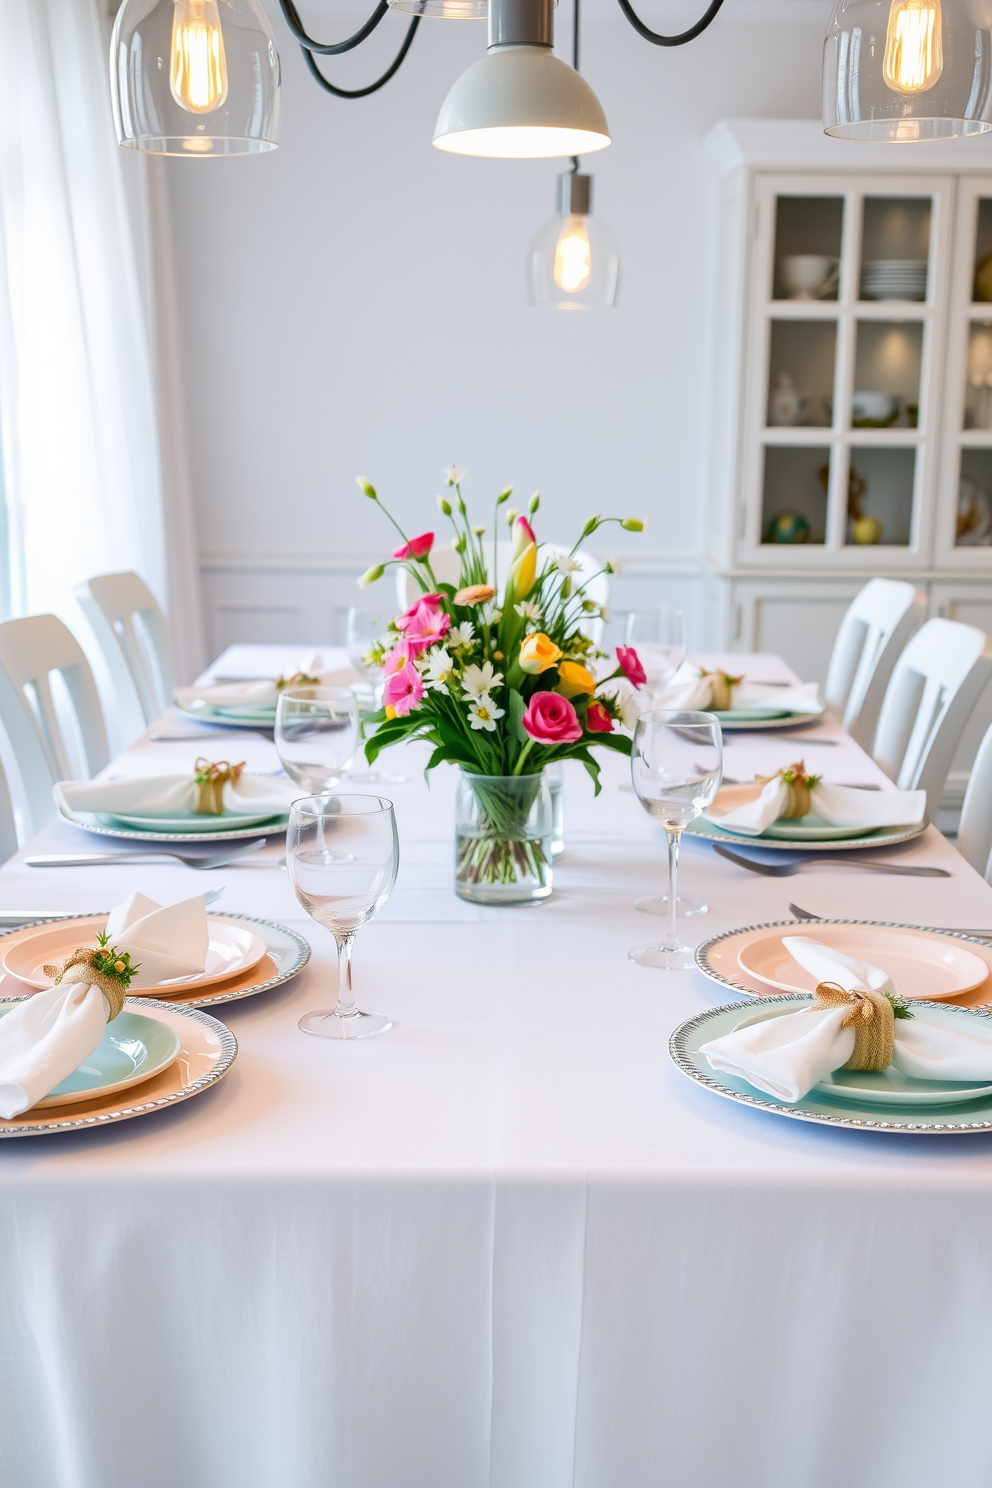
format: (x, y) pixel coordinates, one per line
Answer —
(431, 600)
(403, 689)
(630, 665)
(417, 547)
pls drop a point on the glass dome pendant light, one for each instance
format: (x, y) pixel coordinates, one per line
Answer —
(195, 77)
(898, 70)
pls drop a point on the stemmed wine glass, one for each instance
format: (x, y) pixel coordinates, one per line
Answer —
(676, 766)
(342, 853)
(316, 734)
(363, 629)
(659, 637)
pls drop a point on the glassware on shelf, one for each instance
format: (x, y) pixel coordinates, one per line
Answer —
(810, 276)
(316, 734)
(342, 853)
(676, 766)
(808, 233)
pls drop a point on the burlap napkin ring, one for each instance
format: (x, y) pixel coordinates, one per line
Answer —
(799, 787)
(106, 968)
(872, 1016)
(721, 685)
(298, 679)
(210, 780)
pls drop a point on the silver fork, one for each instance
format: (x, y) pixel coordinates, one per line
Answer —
(804, 914)
(91, 860)
(786, 870)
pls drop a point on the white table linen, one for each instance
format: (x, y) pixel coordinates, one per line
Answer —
(506, 1245)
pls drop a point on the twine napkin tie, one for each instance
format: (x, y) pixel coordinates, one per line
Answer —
(210, 779)
(872, 1017)
(799, 787)
(102, 968)
(721, 687)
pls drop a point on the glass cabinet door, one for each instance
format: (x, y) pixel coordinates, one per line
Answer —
(847, 281)
(965, 512)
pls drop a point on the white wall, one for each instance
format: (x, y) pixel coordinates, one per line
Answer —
(356, 303)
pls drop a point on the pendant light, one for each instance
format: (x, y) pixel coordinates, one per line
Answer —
(195, 77)
(574, 262)
(520, 102)
(896, 70)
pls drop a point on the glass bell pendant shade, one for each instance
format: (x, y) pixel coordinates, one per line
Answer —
(444, 10)
(195, 77)
(574, 262)
(896, 70)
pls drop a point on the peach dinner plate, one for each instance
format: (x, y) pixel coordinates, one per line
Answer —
(234, 950)
(922, 963)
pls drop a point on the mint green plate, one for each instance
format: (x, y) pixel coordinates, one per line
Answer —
(192, 821)
(876, 837)
(960, 1113)
(809, 828)
(754, 715)
(133, 1049)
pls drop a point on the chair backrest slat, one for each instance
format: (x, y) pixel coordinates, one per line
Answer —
(133, 635)
(872, 636)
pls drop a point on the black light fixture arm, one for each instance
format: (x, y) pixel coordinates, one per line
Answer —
(670, 41)
(312, 49)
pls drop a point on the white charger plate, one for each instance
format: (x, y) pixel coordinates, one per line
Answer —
(922, 965)
(952, 1118)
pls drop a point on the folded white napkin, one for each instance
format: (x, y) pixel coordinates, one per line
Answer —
(264, 694)
(837, 805)
(785, 1057)
(169, 942)
(48, 1036)
(690, 692)
(166, 795)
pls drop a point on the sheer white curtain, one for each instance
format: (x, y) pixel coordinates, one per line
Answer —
(81, 458)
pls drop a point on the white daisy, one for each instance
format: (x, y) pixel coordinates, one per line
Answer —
(631, 704)
(489, 614)
(438, 669)
(483, 713)
(565, 564)
(461, 635)
(454, 473)
(613, 564)
(528, 609)
(478, 682)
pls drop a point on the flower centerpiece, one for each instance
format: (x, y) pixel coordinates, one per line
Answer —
(500, 681)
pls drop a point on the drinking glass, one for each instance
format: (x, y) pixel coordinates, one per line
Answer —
(363, 629)
(676, 766)
(342, 853)
(316, 734)
(659, 637)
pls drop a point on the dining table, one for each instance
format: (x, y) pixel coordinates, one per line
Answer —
(507, 1244)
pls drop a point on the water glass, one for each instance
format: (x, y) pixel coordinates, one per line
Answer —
(676, 767)
(342, 853)
(362, 629)
(659, 637)
(316, 734)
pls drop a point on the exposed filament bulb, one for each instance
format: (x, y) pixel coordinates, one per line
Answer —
(914, 56)
(198, 65)
(573, 256)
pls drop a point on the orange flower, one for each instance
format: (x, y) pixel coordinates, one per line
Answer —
(538, 653)
(573, 679)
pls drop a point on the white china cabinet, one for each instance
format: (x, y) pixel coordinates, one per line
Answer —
(852, 381)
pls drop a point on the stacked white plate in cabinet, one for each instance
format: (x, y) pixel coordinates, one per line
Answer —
(894, 279)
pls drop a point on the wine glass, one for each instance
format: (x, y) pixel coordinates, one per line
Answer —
(342, 853)
(364, 628)
(316, 734)
(659, 637)
(676, 766)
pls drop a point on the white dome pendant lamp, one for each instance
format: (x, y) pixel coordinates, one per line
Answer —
(903, 70)
(520, 102)
(195, 77)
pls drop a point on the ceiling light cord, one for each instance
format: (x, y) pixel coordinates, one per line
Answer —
(311, 48)
(670, 41)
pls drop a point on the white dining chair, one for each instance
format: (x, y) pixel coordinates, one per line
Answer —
(934, 687)
(974, 839)
(446, 564)
(133, 635)
(36, 724)
(872, 636)
(8, 828)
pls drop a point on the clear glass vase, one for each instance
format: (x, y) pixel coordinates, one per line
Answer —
(503, 838)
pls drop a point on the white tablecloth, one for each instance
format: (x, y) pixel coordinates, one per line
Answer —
(506, 1245)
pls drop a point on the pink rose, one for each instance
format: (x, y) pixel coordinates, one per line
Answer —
(551, 719)
(426, 628)
(598, 721)
(417, 547)
(431, 600)
(403, 690)
(630, 665)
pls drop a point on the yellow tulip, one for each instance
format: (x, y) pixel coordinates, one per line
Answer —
(573, 679)
(522, 575)
(538, 653)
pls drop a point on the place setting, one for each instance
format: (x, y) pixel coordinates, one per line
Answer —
(251, 702)
(738, 703)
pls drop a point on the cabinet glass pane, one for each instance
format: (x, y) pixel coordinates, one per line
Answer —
(974, 522)
(895, 246)
(880, 496)
(887, 374)
(801, 372)
(978, 380)
(794, 508)
(982, 287)
(807, 247)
